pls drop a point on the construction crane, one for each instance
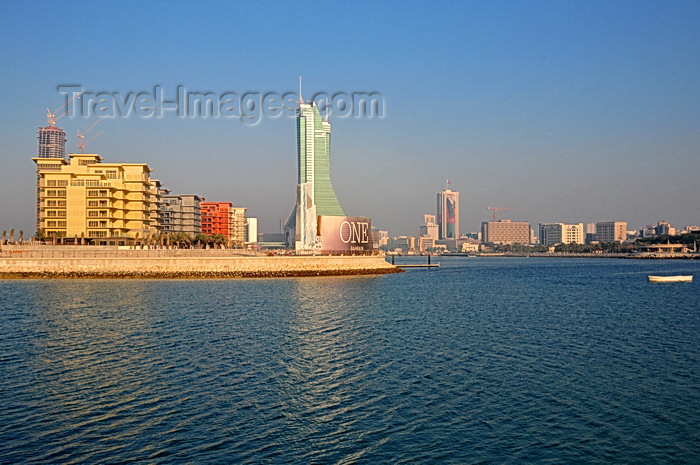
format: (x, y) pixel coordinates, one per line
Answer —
(495, 209)
(51, 115)
(81, 136)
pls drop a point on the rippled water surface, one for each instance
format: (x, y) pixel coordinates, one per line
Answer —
(487, 360)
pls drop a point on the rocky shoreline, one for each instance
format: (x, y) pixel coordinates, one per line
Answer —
(192, 274)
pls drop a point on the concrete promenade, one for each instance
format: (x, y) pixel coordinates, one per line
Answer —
(86, 262)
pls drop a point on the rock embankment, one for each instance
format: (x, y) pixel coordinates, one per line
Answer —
(192, 268)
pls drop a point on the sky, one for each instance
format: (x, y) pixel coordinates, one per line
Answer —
(564, 111)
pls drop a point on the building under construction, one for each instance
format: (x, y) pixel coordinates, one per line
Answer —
(52, 142)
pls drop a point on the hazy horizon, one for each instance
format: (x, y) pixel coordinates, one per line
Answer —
(568, 112)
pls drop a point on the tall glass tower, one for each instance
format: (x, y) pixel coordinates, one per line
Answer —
(448, 214)
(315, 193)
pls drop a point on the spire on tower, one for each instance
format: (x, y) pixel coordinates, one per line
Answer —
(326, 117)
(301, 99)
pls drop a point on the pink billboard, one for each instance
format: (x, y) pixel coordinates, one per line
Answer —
(451, 203)
(340, 233)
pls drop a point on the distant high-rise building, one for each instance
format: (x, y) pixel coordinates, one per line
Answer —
(238, 225)
(430, 228)
(251, 230)
(315, 193)
(561, 233)
(611, 231)
(506, 232)
(382, 238)
(403, 244)
(448, 214)
(663, 227)
(428, 233)
(52, 142)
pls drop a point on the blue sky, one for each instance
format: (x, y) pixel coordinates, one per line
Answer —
(567, 111)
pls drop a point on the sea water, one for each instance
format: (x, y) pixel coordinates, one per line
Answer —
(483, 360)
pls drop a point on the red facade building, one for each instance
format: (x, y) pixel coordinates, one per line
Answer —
(216, 218)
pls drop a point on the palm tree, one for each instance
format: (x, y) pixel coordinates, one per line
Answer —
(181, 238)
(21, 236)
(40, 235)
(202, 240)
(12, 235)
(4, 235)
(218, 239)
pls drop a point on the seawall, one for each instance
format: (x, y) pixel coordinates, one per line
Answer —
(192, 267)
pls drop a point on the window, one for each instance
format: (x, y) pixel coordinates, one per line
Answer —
(51, 182)
(97, 214)
(92, 224)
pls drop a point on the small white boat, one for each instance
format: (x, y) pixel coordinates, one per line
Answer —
(671, 279)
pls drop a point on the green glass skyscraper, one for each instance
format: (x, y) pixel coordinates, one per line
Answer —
(315, 193)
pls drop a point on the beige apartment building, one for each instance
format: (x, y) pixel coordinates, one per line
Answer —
(83, 199)
(561, 233)
(238, 225)
(611, 231)
(506, 232)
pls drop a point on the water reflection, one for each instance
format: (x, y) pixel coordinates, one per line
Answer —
(92, 363)
(329, 351)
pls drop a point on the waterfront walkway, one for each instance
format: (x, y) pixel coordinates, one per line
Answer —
(90, 262)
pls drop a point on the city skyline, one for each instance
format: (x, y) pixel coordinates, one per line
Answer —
(567, 112)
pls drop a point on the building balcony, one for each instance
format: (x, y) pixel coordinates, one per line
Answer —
(90, 184)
